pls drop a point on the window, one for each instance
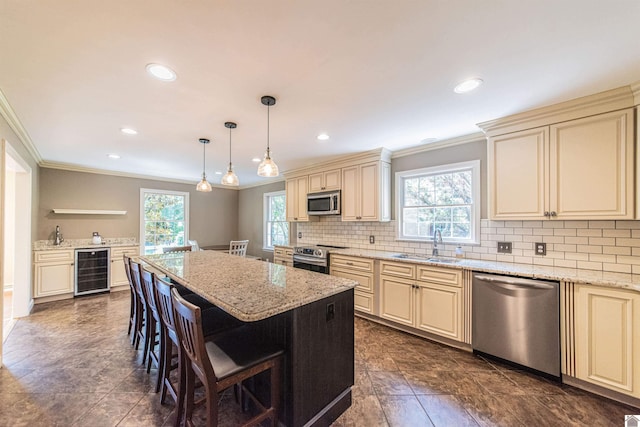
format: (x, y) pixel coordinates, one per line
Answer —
(445, 198)
(164, 219)
(276, 227)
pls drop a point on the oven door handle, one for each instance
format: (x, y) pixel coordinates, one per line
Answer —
(309, 260)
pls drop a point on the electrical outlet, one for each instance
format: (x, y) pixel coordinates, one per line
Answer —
(504, 247)
(541, 248)
(372, 239)
(331, 311)
(299, 234)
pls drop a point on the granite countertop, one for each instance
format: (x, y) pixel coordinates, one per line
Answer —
(248, 289)
(592, 277)
(47, 245)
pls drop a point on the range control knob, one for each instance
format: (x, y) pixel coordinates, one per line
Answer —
(318, 253)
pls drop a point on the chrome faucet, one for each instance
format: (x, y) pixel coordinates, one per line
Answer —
(437, 238)
(58, 240)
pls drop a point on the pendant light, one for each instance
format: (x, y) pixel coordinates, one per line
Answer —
(204, 185)
(230, 178)
(268, 167)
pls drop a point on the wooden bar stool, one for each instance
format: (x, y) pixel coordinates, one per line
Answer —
(133, 312)
(153, 348)
(215, 322)
(142, 320)
(223, 362)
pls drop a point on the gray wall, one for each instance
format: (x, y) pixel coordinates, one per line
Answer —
(457, 153)
(7, 134)
(250, 211)
(213, 217)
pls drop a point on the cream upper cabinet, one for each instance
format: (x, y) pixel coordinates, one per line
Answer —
(325, 181)
(296, 195)
(578, 169)
(118, 274)
(366, 192)
(54, 273)
(607, 329)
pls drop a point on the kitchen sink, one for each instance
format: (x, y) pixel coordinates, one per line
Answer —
(427, 258)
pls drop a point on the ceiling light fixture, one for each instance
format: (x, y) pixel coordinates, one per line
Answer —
(467, 85)
(129, 131)
(230, 178)
(113, 156)
(323, 137)
(161, 72)
(204, 185)
(268, 167)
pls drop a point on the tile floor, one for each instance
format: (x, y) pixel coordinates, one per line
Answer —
(70, 364)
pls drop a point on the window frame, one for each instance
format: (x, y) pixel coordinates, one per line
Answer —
(265, 218)
(474, 167)
(144, 191)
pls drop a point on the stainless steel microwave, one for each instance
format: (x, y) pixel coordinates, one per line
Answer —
(327, 203)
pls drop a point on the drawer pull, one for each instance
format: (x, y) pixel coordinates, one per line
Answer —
(349, 263)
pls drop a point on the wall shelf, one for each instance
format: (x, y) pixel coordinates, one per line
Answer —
(88, 212)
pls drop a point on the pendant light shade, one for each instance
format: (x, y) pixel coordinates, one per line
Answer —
(230, 178)
(203, 185)
(268, 167)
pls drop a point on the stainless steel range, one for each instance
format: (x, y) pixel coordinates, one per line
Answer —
(313, 258)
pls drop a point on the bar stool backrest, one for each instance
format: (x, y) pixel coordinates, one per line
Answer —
(189, 328)
(135, 276)
(165, 308)
(147, 287)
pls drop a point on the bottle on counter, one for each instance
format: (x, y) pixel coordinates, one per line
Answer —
(96, 240)
(459, 252)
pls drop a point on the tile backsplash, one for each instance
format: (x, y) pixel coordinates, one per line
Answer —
(591, 245)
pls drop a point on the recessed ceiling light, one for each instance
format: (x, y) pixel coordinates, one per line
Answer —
(218, 173)
(323, 137)
(467, 85)
(161, 72)
(256, 160)
(129, 131)
(113, 156)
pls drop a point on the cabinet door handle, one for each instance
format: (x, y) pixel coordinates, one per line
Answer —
(553, 213)
(546, 213)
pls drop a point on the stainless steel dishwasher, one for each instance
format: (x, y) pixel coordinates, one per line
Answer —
(517, 320)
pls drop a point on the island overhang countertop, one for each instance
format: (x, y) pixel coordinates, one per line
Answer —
(249, 290)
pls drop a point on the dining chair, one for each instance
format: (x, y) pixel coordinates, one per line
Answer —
(238, 247)
(223, 362)
(168, 249)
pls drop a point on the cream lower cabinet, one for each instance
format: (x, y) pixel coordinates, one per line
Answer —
(423, 297)
(53, 272)
(607, 338)
(118, 275)
(283, 255)
(362, 271)
(577, 169)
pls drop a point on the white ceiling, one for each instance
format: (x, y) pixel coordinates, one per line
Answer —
(370, 73)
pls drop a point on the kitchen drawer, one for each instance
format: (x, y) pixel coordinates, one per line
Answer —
(54, 255)
(118, 252)
(443, 276)
(352, 263)
(363, 302)
(282, 252)
(365, 280)
(396, 269)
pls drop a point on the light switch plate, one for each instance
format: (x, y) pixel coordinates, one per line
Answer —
(541, 248)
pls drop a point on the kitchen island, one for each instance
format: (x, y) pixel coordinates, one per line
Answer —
(309, 314)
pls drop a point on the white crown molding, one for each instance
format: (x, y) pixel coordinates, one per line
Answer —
(378, 154)
(15, 124)
(78, 168)
(465, 139)
(635, 88)
(610, 100)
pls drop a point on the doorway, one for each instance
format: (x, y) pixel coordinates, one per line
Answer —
(16, 298)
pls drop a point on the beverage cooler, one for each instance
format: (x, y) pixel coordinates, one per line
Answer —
(92, 272)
